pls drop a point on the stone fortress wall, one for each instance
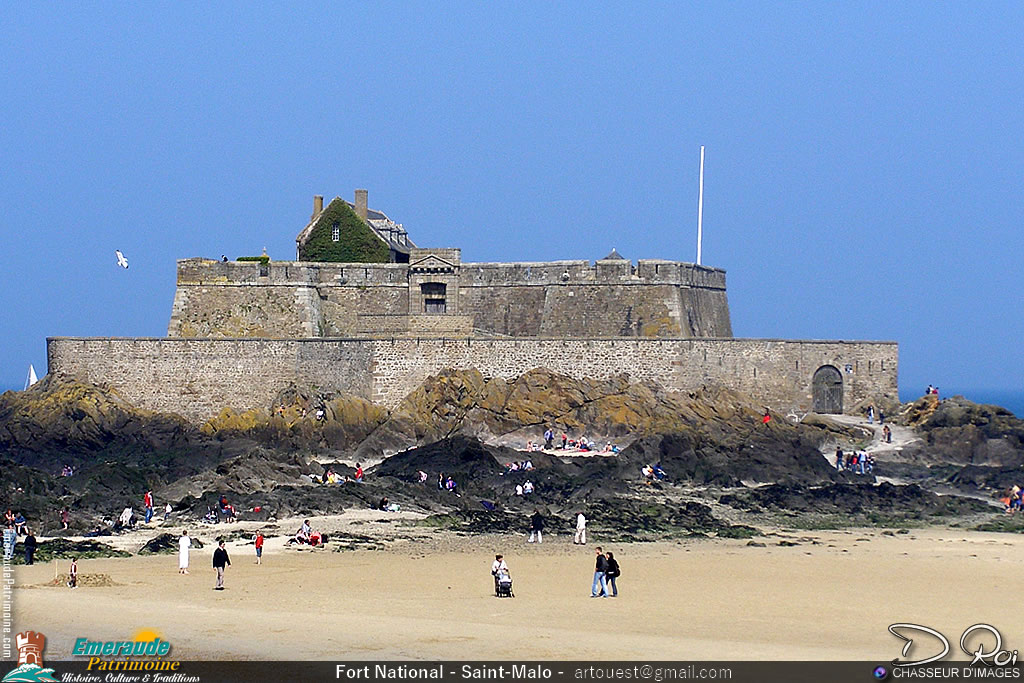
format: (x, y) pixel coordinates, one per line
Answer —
(241, 332)
(198, 377)
(610, 298)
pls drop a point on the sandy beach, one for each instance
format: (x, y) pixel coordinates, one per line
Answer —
(831, 596)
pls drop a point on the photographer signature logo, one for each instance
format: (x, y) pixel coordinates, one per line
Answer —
(978, 636)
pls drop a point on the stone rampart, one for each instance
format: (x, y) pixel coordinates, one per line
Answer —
(198, 377)
(289, 300)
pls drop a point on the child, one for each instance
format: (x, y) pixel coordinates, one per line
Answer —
(259, 547)
(73, 573)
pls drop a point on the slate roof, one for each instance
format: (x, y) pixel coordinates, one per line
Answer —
(393, 234)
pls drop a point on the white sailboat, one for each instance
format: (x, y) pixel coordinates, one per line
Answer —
(31, 379)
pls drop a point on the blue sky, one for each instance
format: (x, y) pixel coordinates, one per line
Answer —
(863, 179)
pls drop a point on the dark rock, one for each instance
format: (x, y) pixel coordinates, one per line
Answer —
(165, 544)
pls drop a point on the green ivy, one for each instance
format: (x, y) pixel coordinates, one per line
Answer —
(357, 242)
(262, 259)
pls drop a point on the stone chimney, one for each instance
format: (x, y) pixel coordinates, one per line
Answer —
(361, 203)
(318, 206)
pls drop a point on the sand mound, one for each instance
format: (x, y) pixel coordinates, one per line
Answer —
(90, 580)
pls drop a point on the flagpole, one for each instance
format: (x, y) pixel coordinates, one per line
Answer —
(700, 206)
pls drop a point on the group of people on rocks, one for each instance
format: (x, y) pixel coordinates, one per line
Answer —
(653, 472)
(854, 461)
(447, 483)
(524, 489)
(583, 444)
(306, 535)
(518, 466)
(1012, 499)
(329, 476)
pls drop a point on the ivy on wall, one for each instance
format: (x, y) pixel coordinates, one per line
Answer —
(357, 243)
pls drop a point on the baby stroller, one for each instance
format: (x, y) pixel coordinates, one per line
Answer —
(503, 586)
(211, 516)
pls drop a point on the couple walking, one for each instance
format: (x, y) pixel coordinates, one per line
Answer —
(605, 572)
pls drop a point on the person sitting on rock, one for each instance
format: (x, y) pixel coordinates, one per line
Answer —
(527, 487)
(647, 471)
(658, 472)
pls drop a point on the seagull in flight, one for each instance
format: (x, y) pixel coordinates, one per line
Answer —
(121, 260)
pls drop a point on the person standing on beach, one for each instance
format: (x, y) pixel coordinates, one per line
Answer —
(612, 572)
(73, 573)
(581, 530)
(600, 575)
(184, 543)
(167, 511)
(30, 546)
(839, 458)
(147, 502)
(220, 562)
(498, 567)
(258, 540)
(536, 527)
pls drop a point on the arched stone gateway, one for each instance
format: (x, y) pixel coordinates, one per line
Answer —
(828, 390)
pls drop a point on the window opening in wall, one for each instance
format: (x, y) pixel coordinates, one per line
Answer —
(433, 297)
(335, 232)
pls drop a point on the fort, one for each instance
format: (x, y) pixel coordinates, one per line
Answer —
(364, 311)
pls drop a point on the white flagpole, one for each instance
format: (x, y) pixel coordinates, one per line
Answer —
(700, 206)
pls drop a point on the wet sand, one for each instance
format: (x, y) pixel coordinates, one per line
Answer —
(831, 597)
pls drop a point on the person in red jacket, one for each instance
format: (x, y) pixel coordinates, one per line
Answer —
(259, 547)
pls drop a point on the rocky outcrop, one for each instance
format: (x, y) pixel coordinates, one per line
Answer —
(958, 431)
(513, 412)
(68, 415)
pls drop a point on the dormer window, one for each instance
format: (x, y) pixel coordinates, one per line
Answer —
(335, 232)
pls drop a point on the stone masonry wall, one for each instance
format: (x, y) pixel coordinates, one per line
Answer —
(290, 300)
(198, 377)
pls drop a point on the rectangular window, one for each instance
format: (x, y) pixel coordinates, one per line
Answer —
(433, 297)
(335, 233)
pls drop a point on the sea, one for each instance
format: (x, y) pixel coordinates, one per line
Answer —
(1012, 400)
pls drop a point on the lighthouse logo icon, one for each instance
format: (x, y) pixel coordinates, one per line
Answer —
(30, 659)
